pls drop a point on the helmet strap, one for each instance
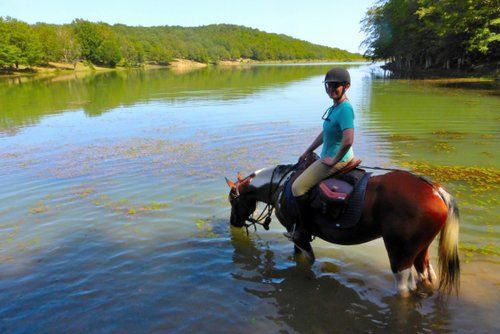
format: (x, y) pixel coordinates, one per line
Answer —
(343, 92)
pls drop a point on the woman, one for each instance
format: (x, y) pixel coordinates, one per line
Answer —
(337, 138)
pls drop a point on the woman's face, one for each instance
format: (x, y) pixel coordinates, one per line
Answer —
(334, 89)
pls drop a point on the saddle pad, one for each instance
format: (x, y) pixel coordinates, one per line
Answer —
(289, 204)
(352, 213)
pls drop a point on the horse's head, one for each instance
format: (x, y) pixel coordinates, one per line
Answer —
(242, 199)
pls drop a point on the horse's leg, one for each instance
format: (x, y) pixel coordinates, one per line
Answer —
(404, 282)
(427, 276)
(401, 259)
(304, 247)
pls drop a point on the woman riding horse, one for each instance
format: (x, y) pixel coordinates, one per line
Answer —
(408, 211)
(337, 138)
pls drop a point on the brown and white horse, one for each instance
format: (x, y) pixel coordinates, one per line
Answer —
(406, 210)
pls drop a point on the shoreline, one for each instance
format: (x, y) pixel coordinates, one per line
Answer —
(65, 71)
(177, 65)
(489, 71)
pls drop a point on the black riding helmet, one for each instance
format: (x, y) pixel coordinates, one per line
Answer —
(339, 75)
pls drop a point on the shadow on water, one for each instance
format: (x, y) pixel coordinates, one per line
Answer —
(489, 87)
(309, 302)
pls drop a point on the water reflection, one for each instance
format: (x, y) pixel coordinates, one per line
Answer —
(309, 301)
(25, 102)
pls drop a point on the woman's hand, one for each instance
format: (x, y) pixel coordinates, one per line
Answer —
(328, 161)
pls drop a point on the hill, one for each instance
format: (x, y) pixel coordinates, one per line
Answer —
(111, 45)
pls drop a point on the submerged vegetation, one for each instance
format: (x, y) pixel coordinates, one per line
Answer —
(479, 179)
(432, 34)
(112, 45)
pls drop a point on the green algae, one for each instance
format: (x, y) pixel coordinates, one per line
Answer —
(40, 207)
(478, 178)
(469, 251)
(443, 147)
(83, 192)
(400, 137)
(447, 134)
(205, 227)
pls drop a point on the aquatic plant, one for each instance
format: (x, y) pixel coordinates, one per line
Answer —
(442, 133)
(39, 208)
(480, 179)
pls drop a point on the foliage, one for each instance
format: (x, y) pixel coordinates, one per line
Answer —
(18, 44)
(433, 33)
(109, 45)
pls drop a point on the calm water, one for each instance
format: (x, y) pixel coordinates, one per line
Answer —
(113, 211)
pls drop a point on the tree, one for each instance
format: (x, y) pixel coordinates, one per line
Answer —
(89, 39)
(108, 53)
(432, 33)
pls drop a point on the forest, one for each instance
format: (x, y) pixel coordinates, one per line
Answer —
(121, 45)
(428, 34)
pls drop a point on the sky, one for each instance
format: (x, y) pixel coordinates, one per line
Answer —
(334, 23)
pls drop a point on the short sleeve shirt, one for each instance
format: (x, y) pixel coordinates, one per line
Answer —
(338, 119)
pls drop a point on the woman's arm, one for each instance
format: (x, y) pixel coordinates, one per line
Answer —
(315, 144)
(345, 145)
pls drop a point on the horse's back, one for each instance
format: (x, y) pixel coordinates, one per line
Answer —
(396, 204)
(405, 200)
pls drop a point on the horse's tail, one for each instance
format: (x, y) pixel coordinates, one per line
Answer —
(449, 262)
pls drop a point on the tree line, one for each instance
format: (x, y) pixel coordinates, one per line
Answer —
(410, 34)
(111, 45)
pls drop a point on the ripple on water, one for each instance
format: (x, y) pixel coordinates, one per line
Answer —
(119, 221)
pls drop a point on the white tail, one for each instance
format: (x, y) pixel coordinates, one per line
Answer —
(449, 262)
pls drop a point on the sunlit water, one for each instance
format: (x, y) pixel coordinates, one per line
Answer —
(114, 218)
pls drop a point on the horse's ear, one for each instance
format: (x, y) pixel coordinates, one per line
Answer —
(230, 183)
(239, 177)
(245, 182)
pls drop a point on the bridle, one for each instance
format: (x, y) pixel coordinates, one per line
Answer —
(264, 218)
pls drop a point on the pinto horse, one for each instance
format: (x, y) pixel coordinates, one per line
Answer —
(406, 210)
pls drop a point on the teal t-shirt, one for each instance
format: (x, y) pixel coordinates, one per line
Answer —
(338, 119)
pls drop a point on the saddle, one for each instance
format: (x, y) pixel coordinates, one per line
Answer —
(331, 197)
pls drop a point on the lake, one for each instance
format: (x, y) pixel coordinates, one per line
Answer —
(114, 213)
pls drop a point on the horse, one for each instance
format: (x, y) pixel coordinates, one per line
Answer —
(406, 210)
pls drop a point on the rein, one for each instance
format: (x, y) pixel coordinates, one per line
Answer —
(263, 216)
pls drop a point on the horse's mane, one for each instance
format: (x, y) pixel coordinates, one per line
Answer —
(282, 168)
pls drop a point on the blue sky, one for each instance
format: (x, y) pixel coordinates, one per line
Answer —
(332, 23)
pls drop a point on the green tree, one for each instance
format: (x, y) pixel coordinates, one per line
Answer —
(108, 53)
(21, 45)
(432, 33)
(89, 39)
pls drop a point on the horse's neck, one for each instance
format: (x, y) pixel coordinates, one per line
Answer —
(266, 183)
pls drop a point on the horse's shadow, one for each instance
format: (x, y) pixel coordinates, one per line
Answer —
(312, 302)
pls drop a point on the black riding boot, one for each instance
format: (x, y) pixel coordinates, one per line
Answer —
(301, 235)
